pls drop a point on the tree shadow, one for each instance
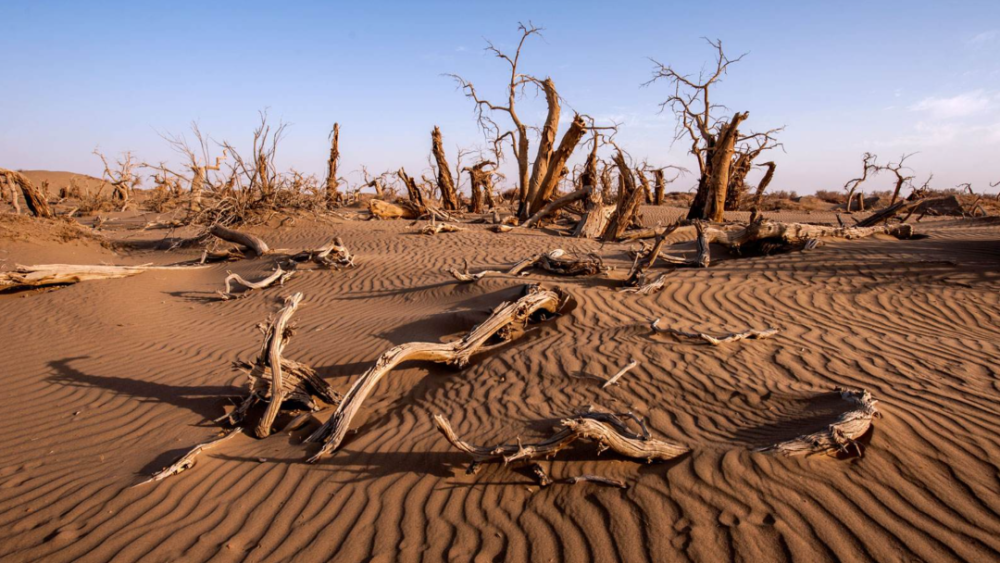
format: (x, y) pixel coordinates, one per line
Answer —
(205, 401)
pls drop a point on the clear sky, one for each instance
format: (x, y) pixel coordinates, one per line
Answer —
(843, 77)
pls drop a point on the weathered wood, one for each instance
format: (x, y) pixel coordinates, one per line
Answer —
(839, 437)
(629, 198)
(595, 427)
(252, 242)
(35, 200)
(557, 163)
(553, 206)
(614, 378)
(507, 322)
(445, 182)
(595, 479)
(385, 210)
(333, 254)
(61, 274)
(187, 461)
(752, 334)
(279, 276)
(332, 182)
(553, 261)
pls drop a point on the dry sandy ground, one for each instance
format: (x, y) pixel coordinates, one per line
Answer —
(107, 381)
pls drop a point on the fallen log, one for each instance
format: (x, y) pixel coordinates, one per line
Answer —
(507, 323)
(63, 274)
(553, 262)
(35, 199)
(279, 276)
(434, 228)
(385, 210)
(717, 340)
(187, 461)
(607, 430)
(838, 437)
(252, 242)
(276, 380)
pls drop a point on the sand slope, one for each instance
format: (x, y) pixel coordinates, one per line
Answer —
(105, 382)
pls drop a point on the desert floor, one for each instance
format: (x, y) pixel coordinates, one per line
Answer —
(105, 382)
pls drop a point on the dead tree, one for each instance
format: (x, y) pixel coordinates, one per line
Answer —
(741, 166)
(532, 185)
(715, 142)
(480, 182)
(35, 200)
(897, 169)
(332, 195)
(627, 206)
(758, 198)
(122, 180)
(198, 165)
(869, 166)
(415, 196)
(660, 181)
(445, 182)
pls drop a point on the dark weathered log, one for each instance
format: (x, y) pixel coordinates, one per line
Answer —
(839, 437)
(252, 242)
(507, 322)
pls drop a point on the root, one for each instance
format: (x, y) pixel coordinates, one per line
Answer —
(717, 340)
(279, 276)
(507, 322)
(839, 437)
(187, 461)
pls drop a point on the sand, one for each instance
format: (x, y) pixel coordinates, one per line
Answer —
(106, 382)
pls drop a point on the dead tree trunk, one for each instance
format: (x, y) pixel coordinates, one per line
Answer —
(759, 196)
(332, 195)
(546, 141)
(660, 185)
(629, 198)
(252, 242)
(710, 201)
(445, 183)
(557, 164)
(413, 192)
(37, 204)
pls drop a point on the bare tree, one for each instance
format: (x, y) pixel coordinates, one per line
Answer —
(481, 185)
(660, 181)
(197, 164)
(868, 166)
(122, 180)
(764, 182)
(536, 186)
(37, 204)
(714, 140)
(897, 169)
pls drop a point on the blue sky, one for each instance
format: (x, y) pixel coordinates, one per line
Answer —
(844, 78)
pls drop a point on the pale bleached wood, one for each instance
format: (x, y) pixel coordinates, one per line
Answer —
(59, 274)
(279, 277)
(752, 334)
(839, 437)
(614, 378)
(187, 461)
(554, 261)
(248, 240)
(508, 319)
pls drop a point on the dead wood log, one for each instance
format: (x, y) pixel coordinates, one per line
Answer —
(606, 429)
(903, 206)
(187, 461)
(35, 199)
(276, 380)
(838, 437)
(252, 242)
(507, 323)
(62, 274)
(385, 210)
(752, 334)
(279, 277)
(555, 205)
(333, 254)
(614, 378)
(553, 261)
(434, 228)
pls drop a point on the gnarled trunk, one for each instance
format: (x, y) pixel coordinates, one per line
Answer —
(445, 182)
(332, 195)
(557, 164)
(37, 203)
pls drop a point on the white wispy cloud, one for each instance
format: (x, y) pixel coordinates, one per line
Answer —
(962, 105)
(984, 38)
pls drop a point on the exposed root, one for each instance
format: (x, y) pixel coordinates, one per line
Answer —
(187, 461)
(507, 322)
(279, 277)
(275, 380)
(839, 437)
(607, 430)
(717, 340)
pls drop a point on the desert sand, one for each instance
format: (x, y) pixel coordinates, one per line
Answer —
(107, 382)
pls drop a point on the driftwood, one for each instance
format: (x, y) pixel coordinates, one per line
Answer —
(507, 323)
(277, 380)
(252, 242)
(333, 254)
(608, 430)
(614, 378)
(187, 461)
(279, 277)
(62, 274)
(552, 262)
(839, 437)
(717, 340)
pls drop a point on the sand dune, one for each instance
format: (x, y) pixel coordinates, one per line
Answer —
(108, 381)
